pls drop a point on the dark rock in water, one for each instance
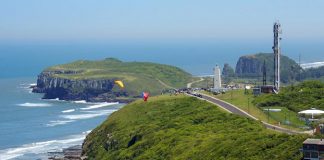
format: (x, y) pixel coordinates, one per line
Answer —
(92, 90)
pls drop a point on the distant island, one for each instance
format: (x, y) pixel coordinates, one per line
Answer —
(94, 81)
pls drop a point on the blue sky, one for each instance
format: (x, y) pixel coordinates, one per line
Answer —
(47, 20)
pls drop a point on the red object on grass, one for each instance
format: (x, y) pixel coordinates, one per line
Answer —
(145, 96)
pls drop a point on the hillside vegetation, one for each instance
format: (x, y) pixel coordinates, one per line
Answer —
(137, 76)
(313, 73)
(305, 95)
(180, 127)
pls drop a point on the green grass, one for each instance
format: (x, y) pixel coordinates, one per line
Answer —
(239, 99)
(180, 127)
(137, 76)
(303, 96)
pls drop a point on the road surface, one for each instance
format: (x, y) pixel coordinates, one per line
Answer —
(235, 110)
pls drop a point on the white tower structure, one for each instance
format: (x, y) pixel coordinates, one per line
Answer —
(276, 50)
(217, 78)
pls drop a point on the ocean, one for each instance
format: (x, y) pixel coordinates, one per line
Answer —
(31, 126)
(196, 57)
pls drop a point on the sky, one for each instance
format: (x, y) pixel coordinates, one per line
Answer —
(40, 33)
(104, 20)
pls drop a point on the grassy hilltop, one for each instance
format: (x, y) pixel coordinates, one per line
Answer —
(137, 76)
(181, 127)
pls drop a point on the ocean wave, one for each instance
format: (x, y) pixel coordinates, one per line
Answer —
(88, 115)
(58, 122)
(99, 105)
(42, 147)
(55, 99)
(68, 111)
(81, 101)
(27, 104)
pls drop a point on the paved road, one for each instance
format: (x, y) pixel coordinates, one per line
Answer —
(235, 110)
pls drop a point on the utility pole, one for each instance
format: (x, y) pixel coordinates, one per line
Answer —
(264, 70)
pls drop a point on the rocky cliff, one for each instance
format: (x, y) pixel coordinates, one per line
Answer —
(248, 66)
(53, 86)
(251, 66)
(95, 80)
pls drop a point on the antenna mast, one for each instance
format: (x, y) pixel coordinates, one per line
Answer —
(277, 51)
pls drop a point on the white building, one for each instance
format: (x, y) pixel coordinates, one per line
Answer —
(217, 78)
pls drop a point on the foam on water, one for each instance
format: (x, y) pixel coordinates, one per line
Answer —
(100, 105)
(58, 122)
(88, 115)
(27, 104)
(68, 111)
(82, 102)
(42, 147)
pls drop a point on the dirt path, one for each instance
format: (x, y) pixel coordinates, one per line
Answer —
(165, 85)
(190, 84)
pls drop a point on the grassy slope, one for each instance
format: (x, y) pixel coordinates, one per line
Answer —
(182, 127)
(306, 95)
(137, 76)
(239, 99)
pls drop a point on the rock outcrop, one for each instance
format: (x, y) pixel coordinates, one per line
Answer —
(248, 66)
(94, 90)
(94, 81)
(251, 66)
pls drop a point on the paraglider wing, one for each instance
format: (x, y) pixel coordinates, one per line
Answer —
(120, 84)
(145, 96)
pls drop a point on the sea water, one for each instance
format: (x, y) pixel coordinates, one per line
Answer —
(195, 57)
(30, 127)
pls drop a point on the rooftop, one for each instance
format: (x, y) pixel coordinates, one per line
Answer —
(314, 141)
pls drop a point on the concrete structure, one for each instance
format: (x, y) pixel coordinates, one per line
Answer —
(313, 149)
(217, 78)
(277, 52)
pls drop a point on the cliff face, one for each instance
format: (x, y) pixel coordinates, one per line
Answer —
(248, 66)
(251, 66)
(95, 80)
(68, 89)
